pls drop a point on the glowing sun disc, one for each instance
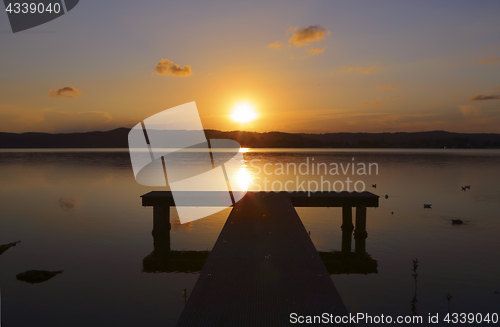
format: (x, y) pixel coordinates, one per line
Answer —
(243, 113)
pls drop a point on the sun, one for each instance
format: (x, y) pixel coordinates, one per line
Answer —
(243, 112)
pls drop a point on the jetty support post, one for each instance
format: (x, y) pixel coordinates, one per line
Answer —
(360, 233)
(161, 219)
(347, 228)
(161, 229)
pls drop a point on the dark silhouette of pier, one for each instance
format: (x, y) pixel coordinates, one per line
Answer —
(264, 265)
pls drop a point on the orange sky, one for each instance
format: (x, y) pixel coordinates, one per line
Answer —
(325, 66)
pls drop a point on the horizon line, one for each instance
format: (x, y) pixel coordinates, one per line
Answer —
(243, 131)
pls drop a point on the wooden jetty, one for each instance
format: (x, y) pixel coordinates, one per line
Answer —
(264, 266)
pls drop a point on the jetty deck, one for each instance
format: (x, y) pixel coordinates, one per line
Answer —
(264, 266)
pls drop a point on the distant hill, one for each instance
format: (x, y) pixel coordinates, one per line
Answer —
(118, 138)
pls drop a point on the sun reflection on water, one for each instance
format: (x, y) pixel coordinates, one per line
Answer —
(243, 178)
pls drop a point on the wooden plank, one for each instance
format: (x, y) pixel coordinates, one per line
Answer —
(262, 268)
(333, 199)
(299, 199)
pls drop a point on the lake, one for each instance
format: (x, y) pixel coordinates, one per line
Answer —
(80, 211)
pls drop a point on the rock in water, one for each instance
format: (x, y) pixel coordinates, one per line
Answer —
(5, 247)
(37, 276)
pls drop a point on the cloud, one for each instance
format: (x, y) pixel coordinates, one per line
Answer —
(395, 96)
(316, 51)
(480, 97)
(177, 70)
(387, 87)
(291, 30)
(469, 111)
(163, 66)
(64, 92)
(372, 103)
(167, 67)
(489, 60)
(275, 45)
(308, 34)
(360, 70)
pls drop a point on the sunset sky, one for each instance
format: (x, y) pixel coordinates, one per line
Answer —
(304, 66)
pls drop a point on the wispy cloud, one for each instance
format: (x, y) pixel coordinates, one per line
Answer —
(376, 103)
(291, 30)
(469, 111)
(387, 87)
(395, 96)
(480, 97)
(167, 67)
(275, 45)
(306, 35)
(489, 60)
(316, 51)
(360, 70)
(64, 92)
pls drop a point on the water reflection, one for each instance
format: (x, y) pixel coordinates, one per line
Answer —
(346, 261)
(338, 262)
(108, 288)
(244, 179)
(37, 276)
(5, 247)
(164, 260)
(67, 203)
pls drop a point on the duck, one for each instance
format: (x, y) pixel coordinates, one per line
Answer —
(467, 187)
(427, 206)
(37, 276)
(457, 222)
(386, 196)
(374, 185)
(464, 188)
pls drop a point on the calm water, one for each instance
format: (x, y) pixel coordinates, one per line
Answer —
(80, 211)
